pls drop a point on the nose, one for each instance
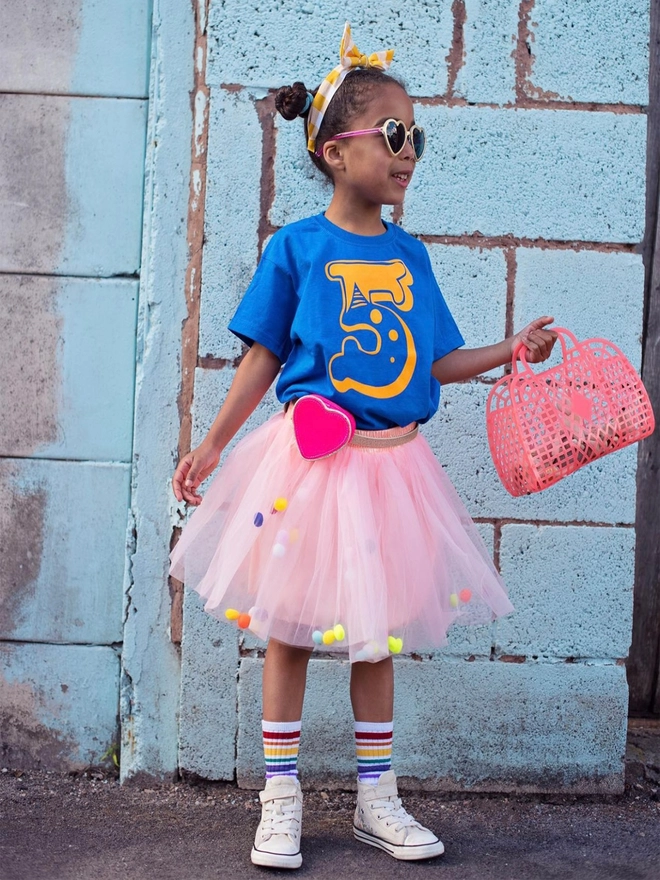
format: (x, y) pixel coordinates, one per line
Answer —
(408, 152)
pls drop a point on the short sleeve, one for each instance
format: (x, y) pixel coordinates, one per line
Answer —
(446, 335)
(266, 312)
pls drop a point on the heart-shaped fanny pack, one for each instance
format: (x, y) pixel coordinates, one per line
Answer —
(321, 427)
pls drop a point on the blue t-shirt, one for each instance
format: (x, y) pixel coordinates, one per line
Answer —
(356, 318)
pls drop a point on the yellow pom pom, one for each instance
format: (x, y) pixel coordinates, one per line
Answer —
(294, 534)
(232, 614)
(453, 600)
(395, 645)
(280, 504)
(328, 637)
(340, 633)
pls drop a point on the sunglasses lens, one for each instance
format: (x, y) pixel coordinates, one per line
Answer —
(418, 141)
(395, 132)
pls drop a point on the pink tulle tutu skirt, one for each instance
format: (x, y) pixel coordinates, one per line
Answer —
(369, 552)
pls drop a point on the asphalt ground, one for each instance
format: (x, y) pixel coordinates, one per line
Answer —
(89, 827)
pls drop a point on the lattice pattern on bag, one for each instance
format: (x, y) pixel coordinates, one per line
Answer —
(544, 426)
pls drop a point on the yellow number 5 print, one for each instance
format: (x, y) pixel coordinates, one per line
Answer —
(373, 295)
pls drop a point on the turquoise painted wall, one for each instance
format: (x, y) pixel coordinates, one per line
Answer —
(74, 84)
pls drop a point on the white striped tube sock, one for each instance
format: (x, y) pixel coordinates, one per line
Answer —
(281, 742)
(373, 747)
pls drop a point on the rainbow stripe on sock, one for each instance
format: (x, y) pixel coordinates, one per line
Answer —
(373, 748)
(281, 743)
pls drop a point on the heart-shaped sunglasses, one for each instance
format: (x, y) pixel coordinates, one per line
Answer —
(395, 133)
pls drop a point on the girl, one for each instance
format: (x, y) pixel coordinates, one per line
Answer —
(366, 550)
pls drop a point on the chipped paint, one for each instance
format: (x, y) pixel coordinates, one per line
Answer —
(456, 56)
(524, 58)
(195, 226)
(266, 113)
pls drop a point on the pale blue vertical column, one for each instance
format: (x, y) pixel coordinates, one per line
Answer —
(150, 663)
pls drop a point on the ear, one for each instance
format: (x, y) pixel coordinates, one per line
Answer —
(333, 153)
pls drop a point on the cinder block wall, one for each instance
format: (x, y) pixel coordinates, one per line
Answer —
(531, 201)
(74, 80)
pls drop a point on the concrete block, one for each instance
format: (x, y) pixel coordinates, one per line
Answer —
(70, 360)
(490, 32)
(602, 492)
(473, 282)
(300, 188)
(75, 169)
(572, 590)
(532, 173)
(590, 51)
(62, 541)
(270, 45)
(488, 726)
(494, 726)
(207, 721)
(587, 291)
(83, 47)
(231, 222)
(59, 705)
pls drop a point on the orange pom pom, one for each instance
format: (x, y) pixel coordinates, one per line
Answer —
(465, 595)
(243, 621)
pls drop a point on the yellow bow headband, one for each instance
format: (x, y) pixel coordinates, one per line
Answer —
(349, 57)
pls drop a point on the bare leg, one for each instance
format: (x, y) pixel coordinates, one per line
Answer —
(372, 691)
(285, 673)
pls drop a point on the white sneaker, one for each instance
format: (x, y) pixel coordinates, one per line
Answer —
(277, 842)
(380, 820)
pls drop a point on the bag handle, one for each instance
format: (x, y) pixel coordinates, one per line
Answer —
(519, 351)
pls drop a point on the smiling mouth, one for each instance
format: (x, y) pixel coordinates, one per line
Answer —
(402, 178)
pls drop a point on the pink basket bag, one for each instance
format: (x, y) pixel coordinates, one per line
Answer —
(544, 426)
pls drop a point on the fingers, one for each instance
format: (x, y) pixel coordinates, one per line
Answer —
(187, 479)
(539, 345)
(180, 475)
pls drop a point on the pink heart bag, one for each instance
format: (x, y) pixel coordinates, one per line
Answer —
(321, 427)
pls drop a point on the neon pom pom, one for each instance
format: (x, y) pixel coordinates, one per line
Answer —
(453, 600)
(395, 645)
(317, 637)
(280, 504)
(465, 595)
(258, 519)
(279, 550)
(294, 534)
(339, 632)
(243, 621)
(328, 637)
(232, 614)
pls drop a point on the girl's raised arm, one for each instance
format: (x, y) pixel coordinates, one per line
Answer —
(462, 364)
(254, 376)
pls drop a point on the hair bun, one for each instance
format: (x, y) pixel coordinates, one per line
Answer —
(292, 101)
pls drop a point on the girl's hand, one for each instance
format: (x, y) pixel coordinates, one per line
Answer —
(192, 470)
(538, 342)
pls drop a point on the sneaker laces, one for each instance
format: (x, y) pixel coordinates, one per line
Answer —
(392, 811)
(278, 816)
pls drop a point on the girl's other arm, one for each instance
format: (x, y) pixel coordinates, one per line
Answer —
(463, 364)
(254, 376)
